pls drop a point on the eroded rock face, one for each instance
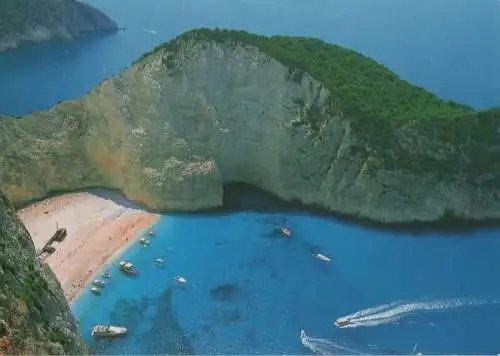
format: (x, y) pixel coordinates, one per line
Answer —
(34, 315)
(172, 129)
(31, 21)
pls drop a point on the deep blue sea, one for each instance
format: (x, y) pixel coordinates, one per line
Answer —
(250, 291)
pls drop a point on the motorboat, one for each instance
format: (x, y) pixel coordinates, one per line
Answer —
(342, 322)
(144, 241)
(95, 290)
(159, 261)
(322, 257)
(108, 330)
(128, 267)
(180, 279)
(286, 231)
(106, 275)
(99, 283)
(302, 335)
(151, 233)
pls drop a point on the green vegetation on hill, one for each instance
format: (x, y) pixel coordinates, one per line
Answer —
(376, 100)
(361, 87)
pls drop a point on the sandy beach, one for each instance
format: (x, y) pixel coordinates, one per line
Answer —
(97, 227)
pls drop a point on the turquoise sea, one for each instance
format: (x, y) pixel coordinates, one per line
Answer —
(250, 291)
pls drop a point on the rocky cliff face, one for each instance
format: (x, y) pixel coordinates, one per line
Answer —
(24, 21)
(177, 125)
(34, 316)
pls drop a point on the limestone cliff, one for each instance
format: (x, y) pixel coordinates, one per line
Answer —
(34, 316)
(24, 21)
(300, 118)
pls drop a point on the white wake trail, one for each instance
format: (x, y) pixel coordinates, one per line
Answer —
(326, 347)
(374, 310)
(392, 312)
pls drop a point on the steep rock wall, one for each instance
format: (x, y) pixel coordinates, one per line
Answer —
(34, 315)
(173, 128)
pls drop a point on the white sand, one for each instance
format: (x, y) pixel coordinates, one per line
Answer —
(97, 229)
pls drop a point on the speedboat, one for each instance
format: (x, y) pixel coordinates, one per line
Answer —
(151, 233)
(159, 261)
(108, 330)
(302, 335)
(286, 231)
(322, 257)
(144, 241)
(99, 283)
(128, 267)
(342, 322)
(180, 279)
(95, 290)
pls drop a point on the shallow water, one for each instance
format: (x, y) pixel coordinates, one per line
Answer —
(251, 291)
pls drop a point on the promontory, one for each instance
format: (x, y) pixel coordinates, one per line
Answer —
(31, 21)
(302, 119)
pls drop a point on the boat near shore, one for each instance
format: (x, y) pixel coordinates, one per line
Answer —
(108, 331)
(95, 290)
(128, 268)
(99, 283)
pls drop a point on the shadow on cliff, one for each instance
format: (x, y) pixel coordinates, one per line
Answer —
(244, 197)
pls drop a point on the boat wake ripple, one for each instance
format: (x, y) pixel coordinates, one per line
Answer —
(389, 313)
(326, 347)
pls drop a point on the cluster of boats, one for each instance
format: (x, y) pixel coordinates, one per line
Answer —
(124, 266)
(127, 268)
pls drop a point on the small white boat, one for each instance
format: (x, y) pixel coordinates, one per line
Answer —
(99, 283)
(108, 330)
(286, 231)
(342, 322)
(96, 290)
(151, 233)
(159, 261)
(322, 257)
(128, 267)
(144, 241)
(180, 279)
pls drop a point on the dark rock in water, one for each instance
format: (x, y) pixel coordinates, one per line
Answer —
(34, 315)
(165, 337)
(31, 21)
(224, 292)
(226, 316)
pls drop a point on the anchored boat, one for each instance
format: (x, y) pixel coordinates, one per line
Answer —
(286, 231)
(322, 257)
(180, 279)
(99, 283)
(108, 330)
(128, 268)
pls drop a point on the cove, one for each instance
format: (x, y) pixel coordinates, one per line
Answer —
(250, 291)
